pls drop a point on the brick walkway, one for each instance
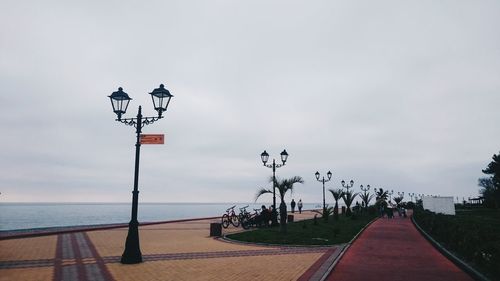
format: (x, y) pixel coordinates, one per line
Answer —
(394, 250)
(171, 251)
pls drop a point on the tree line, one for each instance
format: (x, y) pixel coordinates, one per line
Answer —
(490, 186)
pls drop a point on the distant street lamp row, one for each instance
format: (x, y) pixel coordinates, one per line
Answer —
(161, 99)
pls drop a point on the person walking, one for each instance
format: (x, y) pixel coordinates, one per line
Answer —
(292, 204)
(300, 206)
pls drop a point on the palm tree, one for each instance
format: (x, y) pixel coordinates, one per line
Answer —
(366, 197)
(337, 194)
(283, 186)
(381, 197)
(348, 197)
(398, 200)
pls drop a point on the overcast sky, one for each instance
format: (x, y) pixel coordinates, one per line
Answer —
(396, 94)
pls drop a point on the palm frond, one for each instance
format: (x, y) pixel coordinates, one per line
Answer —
(348, 197)
(398, 199)
(336, 193)
(285, 185)
(262, 191)
(366, 197)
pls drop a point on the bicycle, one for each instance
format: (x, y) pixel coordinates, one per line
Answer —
(251, 220)
(230, 217)
(244, 214)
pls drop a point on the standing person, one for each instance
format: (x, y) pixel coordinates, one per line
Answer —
(300, 206)
(264, 217)
(292, 204)
(390, 211)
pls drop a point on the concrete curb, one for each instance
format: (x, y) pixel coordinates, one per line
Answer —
(476, 275)
(229, 240)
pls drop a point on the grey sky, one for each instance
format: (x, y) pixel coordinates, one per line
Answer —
(396, 94)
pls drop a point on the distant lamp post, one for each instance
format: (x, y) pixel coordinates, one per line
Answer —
(365, 194)
(119, 100)
(264, 156)
(390, 195)
(401, 194)
(323, 180)
(365, 189)
(347, 186)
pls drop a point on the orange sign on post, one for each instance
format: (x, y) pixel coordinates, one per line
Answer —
(152, 139)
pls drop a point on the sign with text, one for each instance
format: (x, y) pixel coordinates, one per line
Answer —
(152, 139)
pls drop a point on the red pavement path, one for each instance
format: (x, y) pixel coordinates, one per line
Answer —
(394, 250)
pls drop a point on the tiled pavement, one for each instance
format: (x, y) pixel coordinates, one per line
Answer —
(171, 251)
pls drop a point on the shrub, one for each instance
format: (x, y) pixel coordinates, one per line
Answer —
(469, 234)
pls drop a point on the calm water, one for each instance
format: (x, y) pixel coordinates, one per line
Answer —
(37, 215)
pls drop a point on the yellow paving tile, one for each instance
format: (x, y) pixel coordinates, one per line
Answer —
(285, 267)
(167, 238)
(28, 248)
(27, 274)
(182, 237)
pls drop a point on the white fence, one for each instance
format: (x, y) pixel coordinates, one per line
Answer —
(443, 205)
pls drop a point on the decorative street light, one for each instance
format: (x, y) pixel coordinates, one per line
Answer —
(347, 186)
(329, 175)
(365, 194)
(119, 100)
(264, 156)
(401, 194)
(365, 189)
(413, 196)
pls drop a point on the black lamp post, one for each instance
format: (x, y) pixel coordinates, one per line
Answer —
(119, 100)
(401, 194)
(323, 180)
(365, 191)
(264, 156)
(347, 185)
(390, 195)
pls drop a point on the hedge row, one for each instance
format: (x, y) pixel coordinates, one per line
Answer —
(473, 238)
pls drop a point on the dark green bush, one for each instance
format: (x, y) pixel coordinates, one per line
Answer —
(473, 235)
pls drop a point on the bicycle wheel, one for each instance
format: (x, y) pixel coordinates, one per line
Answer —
(246, 224)
(241, 217)
(225, 220)
(234, 220)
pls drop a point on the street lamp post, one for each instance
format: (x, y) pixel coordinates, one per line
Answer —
(365, 191)
(323, 180)
(347, 186)
(390, 195)
(119, 100)
(401, 194)
(264, 156)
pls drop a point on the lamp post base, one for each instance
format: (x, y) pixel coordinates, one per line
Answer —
(132, 253)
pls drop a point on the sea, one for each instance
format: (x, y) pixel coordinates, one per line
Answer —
(21, 216)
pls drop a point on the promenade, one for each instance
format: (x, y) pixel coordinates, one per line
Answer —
(171, 251)
(393, 249)
(385, 250)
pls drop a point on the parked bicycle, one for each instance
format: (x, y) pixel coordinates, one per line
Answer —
(230, 217)
(244, 214)
(252, 220)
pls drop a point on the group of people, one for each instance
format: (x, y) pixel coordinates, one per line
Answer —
(389, 210)
(265, 215)
(299, 205)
